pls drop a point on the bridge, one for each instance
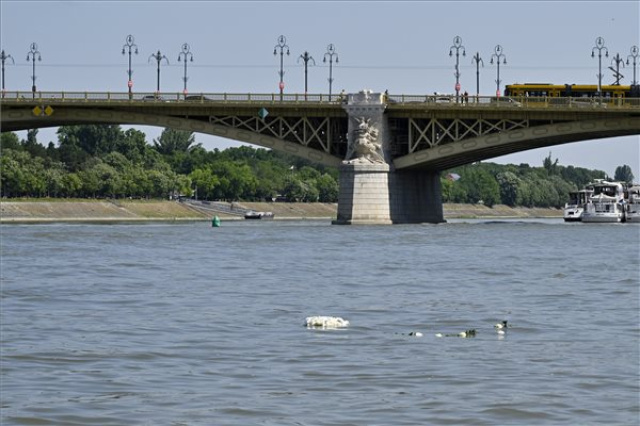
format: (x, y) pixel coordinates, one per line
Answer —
(389, 148)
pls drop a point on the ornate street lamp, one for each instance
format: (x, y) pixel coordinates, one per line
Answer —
(600, 47)
(457, 45)
(282, 44)
(31, 56)
(158, 57)
(188, 56)
(131, 47)
(331, 52)
(616, 71)
(4, 57)
(498, 55)
(306, 58)
(478, 60)
(634, 56)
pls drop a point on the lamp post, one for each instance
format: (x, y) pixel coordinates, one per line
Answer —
(188, 56)
(600, 47)
(618, 61)
(457, 45)
(634, 56)
(282, 44)
(306, 58)
(131, 47)
(158, 57)
(31, 56)
(331, 52)
(478, 60)
(498, 55)
(4, 57)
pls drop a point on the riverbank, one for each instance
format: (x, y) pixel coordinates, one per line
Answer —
(22, 211)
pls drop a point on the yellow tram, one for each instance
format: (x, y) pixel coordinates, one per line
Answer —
(613, 92)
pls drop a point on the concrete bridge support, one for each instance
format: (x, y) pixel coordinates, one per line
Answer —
(371, 190)
(375, 195)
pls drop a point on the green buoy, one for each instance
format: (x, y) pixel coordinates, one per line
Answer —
(215, 222)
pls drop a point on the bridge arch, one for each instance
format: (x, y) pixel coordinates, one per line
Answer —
(21, 119)
(493, 145)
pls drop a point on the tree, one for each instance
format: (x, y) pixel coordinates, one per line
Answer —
(623, 174)
(93, 139)
(32, 146)
(508, 184)
(480, 186)
(172, 141)
(206, 182)
(327, 188)
(54, 178)
(550, 166)
(9, 140)
(71, 185)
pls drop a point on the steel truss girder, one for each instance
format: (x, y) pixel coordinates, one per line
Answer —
(312, 132)
(428, 133)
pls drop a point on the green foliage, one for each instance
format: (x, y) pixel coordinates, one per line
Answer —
(521, 185)
(623, 174)
(172, 141)
(9, 140)
(104, 161)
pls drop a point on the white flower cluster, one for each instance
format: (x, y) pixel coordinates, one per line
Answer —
(326, 322)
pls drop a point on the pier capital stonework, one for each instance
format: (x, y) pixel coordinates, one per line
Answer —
(371, 191)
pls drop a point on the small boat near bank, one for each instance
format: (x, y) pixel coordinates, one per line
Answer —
(632, 204)
(605, 204)
(252, 215)
(574, 208)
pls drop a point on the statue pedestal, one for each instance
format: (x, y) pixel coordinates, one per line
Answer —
(371, 193)
(364, 195)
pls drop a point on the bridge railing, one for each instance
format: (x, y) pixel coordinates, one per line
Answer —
(435, 100)
(441, 100)
(173, 97)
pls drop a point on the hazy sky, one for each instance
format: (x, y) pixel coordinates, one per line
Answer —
(398, 46)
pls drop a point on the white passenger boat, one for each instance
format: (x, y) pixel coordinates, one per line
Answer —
(574, 208)
(632, 204)
(606, 204)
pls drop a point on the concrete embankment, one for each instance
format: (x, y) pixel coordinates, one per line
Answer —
(139, 210)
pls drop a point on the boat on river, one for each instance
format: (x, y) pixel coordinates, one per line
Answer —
(258, 215)
(606, 204)
(574, 208)
(632, 204)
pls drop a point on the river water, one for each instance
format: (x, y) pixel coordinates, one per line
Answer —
(185, 324)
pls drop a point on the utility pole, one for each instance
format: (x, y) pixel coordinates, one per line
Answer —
(306, 58)
(188, 56)
(158, 57)
(130, 46)
(478, 60)
(616, 71)
(634, 56)
(457, 45)
(599, 47)
(282, 45)
(4, 57)
(498, 54)
(331, 52)
(31, 56)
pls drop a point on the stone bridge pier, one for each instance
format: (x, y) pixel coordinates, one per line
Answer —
(372, 191)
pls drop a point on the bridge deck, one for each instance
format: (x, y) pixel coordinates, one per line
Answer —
(427, 131)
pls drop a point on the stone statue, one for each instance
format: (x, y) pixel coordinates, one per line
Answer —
(363, 145)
